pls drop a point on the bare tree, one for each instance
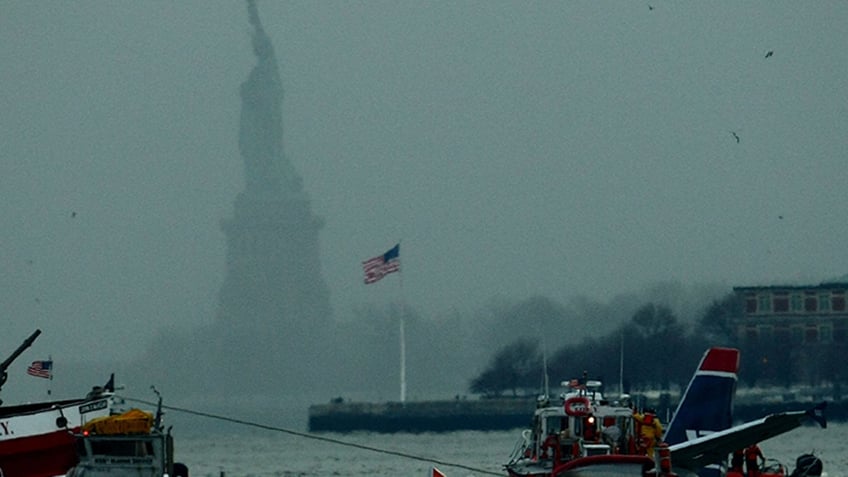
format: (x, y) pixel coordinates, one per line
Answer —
(516, 367)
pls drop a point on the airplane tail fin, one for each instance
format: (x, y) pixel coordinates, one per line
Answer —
(707, 403)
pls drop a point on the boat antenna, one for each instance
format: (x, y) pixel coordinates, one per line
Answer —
(158, 422)
(621, 364)
(545, 370)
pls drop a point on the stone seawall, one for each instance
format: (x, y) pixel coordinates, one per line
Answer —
(486, 414)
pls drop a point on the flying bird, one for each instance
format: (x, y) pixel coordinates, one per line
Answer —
(769, 53)
(73, 214)
(735, 136)
(650, 7)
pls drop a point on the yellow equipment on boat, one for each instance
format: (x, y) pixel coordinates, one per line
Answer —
(134, 421)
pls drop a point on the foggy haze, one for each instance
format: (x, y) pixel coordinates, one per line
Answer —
(582, 152)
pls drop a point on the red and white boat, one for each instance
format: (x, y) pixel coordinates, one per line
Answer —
(586, 435)
(37, 439)
(583, 434)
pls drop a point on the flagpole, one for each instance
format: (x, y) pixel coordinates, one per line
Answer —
(50, 378)
(375, 269)
(402, 337)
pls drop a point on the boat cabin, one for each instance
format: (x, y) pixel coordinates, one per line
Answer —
(582, 424)
(126, 444)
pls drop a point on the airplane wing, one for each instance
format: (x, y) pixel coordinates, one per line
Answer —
(715, 447)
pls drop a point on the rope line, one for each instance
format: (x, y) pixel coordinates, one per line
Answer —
(314, 437)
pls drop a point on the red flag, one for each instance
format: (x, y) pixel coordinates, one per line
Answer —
(437, 473)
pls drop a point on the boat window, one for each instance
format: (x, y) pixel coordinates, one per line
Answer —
(124, 448)
(553, 424)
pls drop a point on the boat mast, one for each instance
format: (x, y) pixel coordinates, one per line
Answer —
(545, 368)
(621, 365)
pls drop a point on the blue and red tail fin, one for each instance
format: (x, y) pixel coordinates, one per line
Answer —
(707, 404)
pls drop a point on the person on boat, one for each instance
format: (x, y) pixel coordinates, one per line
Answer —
(611, 436)
(650, 430)
(551, 442)
(737, 461)
(753, 460)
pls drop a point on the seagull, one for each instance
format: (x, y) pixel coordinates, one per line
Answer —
(769, 53)
(735, 136)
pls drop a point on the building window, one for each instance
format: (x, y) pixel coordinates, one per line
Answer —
(839, 335)
(837, 303)
(810, 303)
(765, 333)
(811, 334)
(825, 334)
(781, 304)
(824, 302)
(764, 303)
(750, 305)
(797, 302)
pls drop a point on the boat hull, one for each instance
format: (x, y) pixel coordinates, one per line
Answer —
(592, 466)
(37, 440)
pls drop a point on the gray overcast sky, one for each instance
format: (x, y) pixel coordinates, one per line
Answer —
(516, 148)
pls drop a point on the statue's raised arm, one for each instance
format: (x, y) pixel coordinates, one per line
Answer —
(261, 125)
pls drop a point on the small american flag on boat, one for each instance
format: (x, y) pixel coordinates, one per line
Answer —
(40, 369)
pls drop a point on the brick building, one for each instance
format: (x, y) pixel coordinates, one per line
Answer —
(796, 331)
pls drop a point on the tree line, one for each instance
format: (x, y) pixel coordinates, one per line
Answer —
(660, 352)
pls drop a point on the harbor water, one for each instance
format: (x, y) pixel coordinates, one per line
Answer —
(234, 450)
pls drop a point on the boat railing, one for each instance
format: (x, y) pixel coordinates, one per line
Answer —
(520, 446)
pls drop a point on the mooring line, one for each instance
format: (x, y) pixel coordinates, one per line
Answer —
(312, 436)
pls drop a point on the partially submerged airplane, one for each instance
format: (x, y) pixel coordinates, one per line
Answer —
(701, 434)
(711, 450)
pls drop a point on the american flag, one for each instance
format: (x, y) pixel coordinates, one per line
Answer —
(41, 369)
(382, 265)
